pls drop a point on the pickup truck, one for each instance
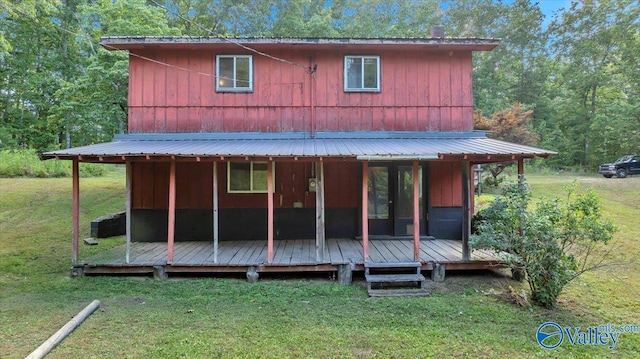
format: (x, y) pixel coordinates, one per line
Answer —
(622, 167)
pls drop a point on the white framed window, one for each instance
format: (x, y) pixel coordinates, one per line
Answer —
(247, 177)
(362, 73)
(234, 73)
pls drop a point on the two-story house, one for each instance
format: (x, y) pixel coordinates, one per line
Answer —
(290, 154)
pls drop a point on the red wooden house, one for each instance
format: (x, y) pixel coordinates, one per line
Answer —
(296, 154)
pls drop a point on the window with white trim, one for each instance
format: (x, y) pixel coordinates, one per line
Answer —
(234, 73)
(362, 73)
(247, 177)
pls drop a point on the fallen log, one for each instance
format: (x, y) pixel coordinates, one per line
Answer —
(61, 334)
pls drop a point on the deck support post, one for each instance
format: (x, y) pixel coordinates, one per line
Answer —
(345, 274)
(129, 175)
(75, 217)
(365, 210)
(215, 212)
(466, 210)
(171, 230)
(416, 212)
(320, 217)
(270, 211)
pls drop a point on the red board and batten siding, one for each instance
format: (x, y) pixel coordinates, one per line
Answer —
(421, 91)
(445, 184)
(194, 183)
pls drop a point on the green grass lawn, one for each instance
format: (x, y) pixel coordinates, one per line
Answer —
(285, 317)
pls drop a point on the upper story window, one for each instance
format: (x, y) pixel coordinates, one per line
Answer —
(234, 73)
(362, 73)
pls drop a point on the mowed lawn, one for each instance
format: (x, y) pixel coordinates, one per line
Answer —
(308, 317)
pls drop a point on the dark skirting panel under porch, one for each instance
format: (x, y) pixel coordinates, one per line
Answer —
(150, 225)
(445, 222)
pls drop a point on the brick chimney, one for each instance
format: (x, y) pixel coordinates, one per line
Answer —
(437, 32)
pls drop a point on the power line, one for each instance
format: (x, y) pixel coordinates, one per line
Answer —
(307, 69)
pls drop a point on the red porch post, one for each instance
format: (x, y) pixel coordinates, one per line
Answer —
(466, 210)
(270, 211)
(365, 212)
(129, 175)
(75, 218)
(416, 212)
(172, 212)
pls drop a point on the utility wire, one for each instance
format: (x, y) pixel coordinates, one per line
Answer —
(307, 69)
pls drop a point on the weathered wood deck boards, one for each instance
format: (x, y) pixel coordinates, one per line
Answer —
(288, 253)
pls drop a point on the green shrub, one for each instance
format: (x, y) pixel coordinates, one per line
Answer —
(25, 163)
(551, 244)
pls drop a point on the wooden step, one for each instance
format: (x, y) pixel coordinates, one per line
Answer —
(404, 292)
(394, 278)
(392, 265)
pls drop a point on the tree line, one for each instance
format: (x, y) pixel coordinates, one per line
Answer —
(575, 75)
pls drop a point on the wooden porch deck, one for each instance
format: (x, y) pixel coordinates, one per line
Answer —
(289, 256)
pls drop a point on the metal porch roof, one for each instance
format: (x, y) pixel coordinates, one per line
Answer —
(358, 146)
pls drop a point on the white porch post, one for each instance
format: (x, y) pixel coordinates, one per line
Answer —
(320, 219)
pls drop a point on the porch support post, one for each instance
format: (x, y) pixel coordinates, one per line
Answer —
(365, 212)
(320, 219)
(520, 167)
(416, 212)
(270, 211)
(215, 212)
(466, 210)
(129, 175)
(171, 231)
(75, 218)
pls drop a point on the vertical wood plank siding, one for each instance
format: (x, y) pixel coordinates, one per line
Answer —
(194, 186)
(445, 184)
(420, 91)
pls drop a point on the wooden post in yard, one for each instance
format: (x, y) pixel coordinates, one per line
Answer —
(270, 211)
(320, 220)
(171, 230)
(416, 212)
(75, 218)
(365, 210)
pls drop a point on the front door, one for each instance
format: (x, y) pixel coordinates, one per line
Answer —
(390, 194)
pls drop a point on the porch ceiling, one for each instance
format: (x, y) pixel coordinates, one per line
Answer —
(353, 146)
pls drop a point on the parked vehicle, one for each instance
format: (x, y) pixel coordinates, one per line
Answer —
(622, 167)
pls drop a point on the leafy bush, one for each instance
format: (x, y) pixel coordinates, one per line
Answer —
(25, 163)
(551, 244)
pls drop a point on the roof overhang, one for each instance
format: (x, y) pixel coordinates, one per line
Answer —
(354, 146)
(134, 43)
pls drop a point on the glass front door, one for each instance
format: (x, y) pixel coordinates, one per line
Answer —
(390, 195)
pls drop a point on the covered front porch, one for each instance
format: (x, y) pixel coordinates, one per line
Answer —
(289, 255)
